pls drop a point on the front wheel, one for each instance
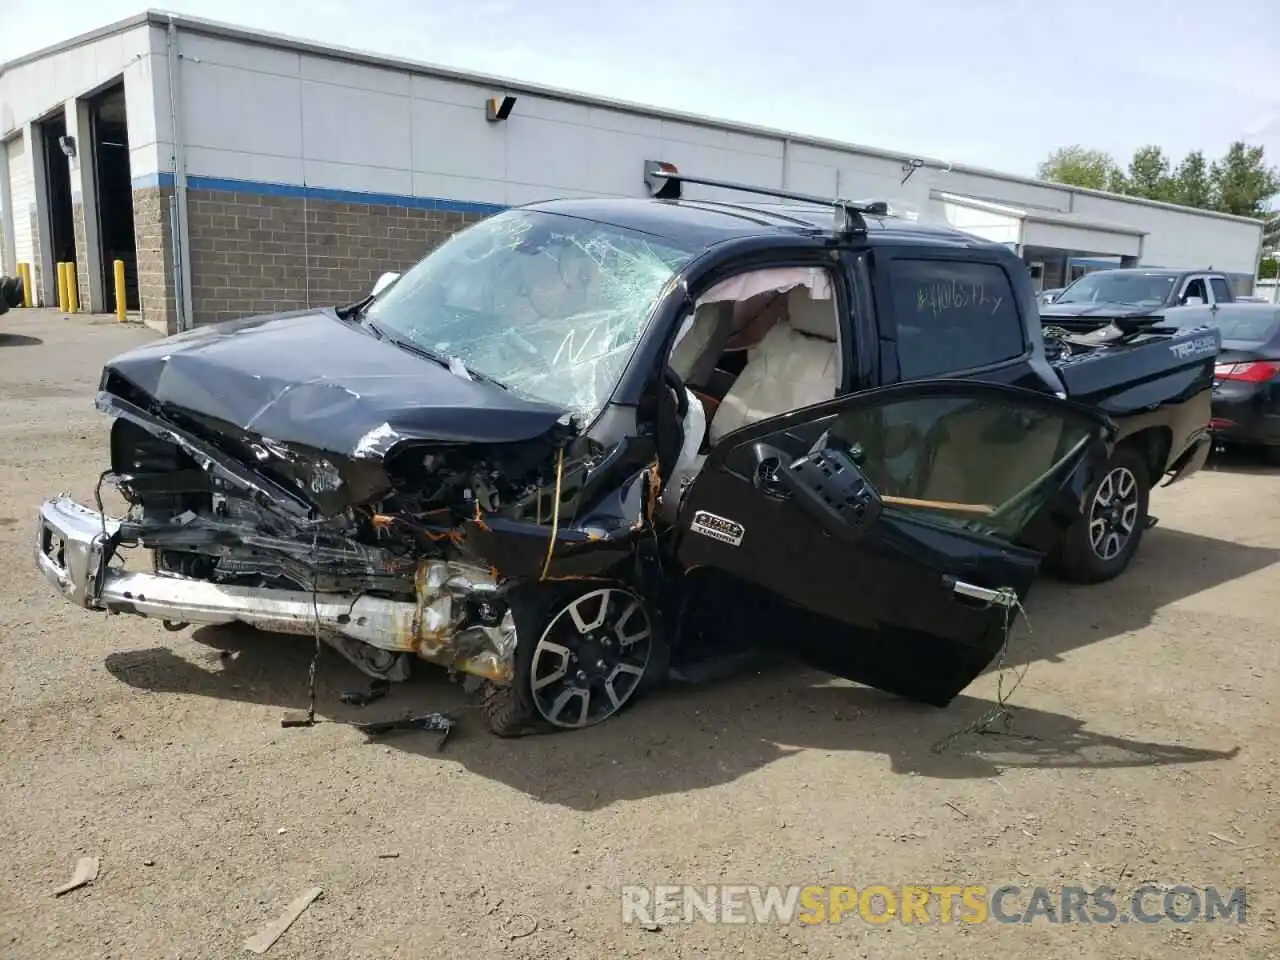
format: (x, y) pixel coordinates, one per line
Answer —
(582, 656)
(1101, 543)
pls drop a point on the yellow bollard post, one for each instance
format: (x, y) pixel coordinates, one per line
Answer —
(24, 271)
(73, 288)
(121, 304)
(62, 287)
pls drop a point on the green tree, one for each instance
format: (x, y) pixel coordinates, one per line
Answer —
(1150, 174)
(1242, 181)
(1078, 167)
(1191, 186)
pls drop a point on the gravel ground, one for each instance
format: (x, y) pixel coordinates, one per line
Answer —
(1143, 748)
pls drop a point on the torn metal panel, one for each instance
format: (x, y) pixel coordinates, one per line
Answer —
(457, 619)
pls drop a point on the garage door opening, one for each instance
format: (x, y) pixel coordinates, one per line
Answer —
(57, 179)
(109, 131)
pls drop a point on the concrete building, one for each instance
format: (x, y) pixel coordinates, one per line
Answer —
(237, 173)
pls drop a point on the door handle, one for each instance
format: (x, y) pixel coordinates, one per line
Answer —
(766, 462)
(1000, 598)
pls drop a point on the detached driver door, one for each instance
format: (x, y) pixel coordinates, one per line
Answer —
(888, 536)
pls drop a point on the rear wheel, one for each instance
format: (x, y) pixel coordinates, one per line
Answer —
(1101, 543)
(582, 656)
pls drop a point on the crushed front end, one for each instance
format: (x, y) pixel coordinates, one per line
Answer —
(367, 552)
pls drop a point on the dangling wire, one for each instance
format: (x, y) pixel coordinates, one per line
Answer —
(555, 516)
(315, 614)
(1000, 712)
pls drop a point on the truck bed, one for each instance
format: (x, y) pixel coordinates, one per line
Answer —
(1123, 373)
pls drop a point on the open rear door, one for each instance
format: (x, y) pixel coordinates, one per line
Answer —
(888, 527)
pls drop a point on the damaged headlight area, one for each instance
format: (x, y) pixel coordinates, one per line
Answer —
(240, 539)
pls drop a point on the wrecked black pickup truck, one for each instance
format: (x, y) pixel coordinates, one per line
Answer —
(584, 443)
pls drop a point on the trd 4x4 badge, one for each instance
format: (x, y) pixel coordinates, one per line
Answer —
(718, 528)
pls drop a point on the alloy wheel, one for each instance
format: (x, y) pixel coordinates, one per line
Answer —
(1113, 515)
(591, 658)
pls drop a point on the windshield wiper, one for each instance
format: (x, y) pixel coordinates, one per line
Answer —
(418, 350)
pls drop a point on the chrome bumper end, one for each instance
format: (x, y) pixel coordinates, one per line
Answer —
(72, 540)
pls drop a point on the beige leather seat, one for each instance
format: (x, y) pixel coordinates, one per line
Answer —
(797, 364)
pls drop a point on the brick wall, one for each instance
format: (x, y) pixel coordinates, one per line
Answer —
(252, 253)
(82, 256)
(154, 243)
(37, 269)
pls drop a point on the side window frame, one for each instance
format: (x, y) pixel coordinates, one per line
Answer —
(886, 308)
(1214, 293)
(1186, 288)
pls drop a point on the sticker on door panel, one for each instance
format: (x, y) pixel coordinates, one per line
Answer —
(718, 528)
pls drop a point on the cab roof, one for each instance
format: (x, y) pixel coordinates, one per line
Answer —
(702, 223)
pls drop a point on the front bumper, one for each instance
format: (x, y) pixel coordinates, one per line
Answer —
(73, 540)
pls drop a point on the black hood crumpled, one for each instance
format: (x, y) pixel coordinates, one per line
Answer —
(320, 399)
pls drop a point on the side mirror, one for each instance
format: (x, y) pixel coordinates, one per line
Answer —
(384, 281)
(1192, 302)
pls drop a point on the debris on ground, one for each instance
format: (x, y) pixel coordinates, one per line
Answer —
(432, 722)
(441, 723)
(362, 698)
(956, 809)
(261, 942)
(85, 873)
(389, 855)
(525, 926)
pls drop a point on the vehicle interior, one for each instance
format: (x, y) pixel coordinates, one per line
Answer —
(767, 342)
(755, 346)
(1195, 290)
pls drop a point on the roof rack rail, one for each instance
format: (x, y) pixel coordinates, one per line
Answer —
(663, 181)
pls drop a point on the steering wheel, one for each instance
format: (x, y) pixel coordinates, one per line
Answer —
(672, 380)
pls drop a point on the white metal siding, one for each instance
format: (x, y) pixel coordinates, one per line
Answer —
(1180, 240)
(1059, 236)
(22, 194)
(29, 91)
(259, 113)
(996, 227)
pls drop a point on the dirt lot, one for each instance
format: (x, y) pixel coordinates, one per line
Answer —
(1143, 750)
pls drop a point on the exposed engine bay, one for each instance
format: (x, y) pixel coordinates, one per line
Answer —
(401, 554)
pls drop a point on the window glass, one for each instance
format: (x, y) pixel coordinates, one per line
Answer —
(1196, 289)
(551, 306)
(1133, 288)
(953, 316)
(1220, 289)
(977, 463)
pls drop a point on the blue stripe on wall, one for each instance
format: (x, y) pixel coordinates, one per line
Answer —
(263, 188)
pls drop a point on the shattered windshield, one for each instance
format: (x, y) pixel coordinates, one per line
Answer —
(547, 305)
(1138, 289)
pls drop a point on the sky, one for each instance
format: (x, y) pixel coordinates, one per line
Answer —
(991, 83)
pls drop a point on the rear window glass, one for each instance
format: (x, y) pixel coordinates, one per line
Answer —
(1256, 327)
(953, 316)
